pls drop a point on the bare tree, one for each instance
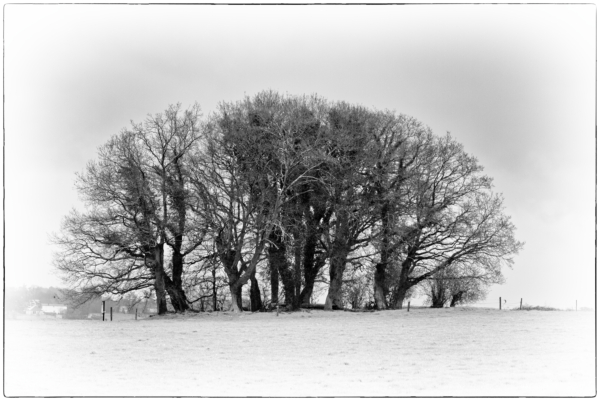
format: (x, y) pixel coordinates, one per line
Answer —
(114, 247)
(168, 139)
(466, 228)
(248, 172)
(350, 130)
(136, 203)
(396, 146)
(295, 254)
(461, 283)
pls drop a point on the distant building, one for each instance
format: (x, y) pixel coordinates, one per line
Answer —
(34, 307)
(54, 309)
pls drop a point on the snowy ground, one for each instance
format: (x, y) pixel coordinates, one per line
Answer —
(424, 352)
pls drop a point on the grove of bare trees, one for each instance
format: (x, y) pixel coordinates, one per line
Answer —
(281, 197)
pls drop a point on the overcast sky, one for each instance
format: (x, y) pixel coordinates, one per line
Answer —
(515, 84)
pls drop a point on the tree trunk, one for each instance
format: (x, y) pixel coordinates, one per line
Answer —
(287, 278)
(334, 295)
(456, 298)
(337, 266)
(161, 300)
(278, 261)
(297, 275)
(274, 282)
(380, 290)
(229, 258)
(399, 296)
(311, 267)
(214, 288)
(380, 287)
(255, 299)
(236, 298)
(317, 219)
(177, 296)
(309, 280)
(306, 293)
(175, 286)
(437, 297)
(159, 279)
(404, 284)
(337, 263)
(176, 191)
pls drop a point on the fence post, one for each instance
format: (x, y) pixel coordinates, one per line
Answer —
(135, 313)
(500, 302)
(103, 309)
(111, 313)
(408, 309)
(277, 309)
(521, 304)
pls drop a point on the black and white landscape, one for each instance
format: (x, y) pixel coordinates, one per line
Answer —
(299, 200)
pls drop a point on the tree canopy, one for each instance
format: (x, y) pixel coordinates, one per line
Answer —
(291, 190)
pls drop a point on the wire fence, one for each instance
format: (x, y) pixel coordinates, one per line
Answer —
(520, 304)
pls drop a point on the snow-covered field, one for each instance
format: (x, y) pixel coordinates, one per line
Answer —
(424, 352)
